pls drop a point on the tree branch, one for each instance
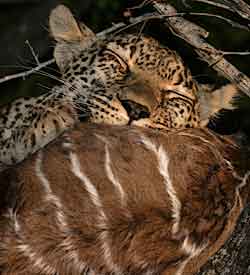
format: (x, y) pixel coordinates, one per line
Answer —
(237, 6)
(153, 15)
(234, 256)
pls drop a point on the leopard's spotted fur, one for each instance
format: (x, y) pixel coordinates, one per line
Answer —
(97, 75)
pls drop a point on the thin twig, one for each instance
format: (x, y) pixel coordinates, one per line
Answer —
(136, 21)
(237, 6)
(235, 53)
(110, 30)
(33, 52)
(216, 4)
(27, 73)
(227, 20)
(143, 4)
(141, 30)
(152, 16)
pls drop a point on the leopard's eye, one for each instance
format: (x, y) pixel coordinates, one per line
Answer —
(176, 94)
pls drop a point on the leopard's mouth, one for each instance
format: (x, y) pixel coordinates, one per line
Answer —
(135, 110)
(138, 99)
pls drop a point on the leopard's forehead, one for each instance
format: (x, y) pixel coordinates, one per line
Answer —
(120, 46)
(106, 59)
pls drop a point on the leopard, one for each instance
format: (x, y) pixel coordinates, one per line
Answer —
(101, 78)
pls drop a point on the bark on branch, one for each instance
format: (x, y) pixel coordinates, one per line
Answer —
(234, 257)
(237, 6)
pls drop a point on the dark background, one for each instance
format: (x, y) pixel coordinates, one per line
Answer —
(22, 20)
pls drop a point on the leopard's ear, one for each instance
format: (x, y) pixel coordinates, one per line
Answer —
(212, 100)
(70, 36)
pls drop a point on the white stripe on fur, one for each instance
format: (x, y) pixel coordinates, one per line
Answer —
(102, 219)
(163, 163)
(108, 168)
(92, 191)
(52, 198)
(113, 179)
(192, 251)
(62, 223)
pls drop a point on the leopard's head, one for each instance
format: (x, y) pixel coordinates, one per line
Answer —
(121, 76)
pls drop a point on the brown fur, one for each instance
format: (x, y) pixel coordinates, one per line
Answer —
(138, 228)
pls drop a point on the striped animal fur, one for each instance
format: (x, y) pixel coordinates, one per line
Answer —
(121, 200)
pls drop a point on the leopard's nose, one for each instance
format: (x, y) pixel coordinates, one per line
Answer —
(140, 93)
